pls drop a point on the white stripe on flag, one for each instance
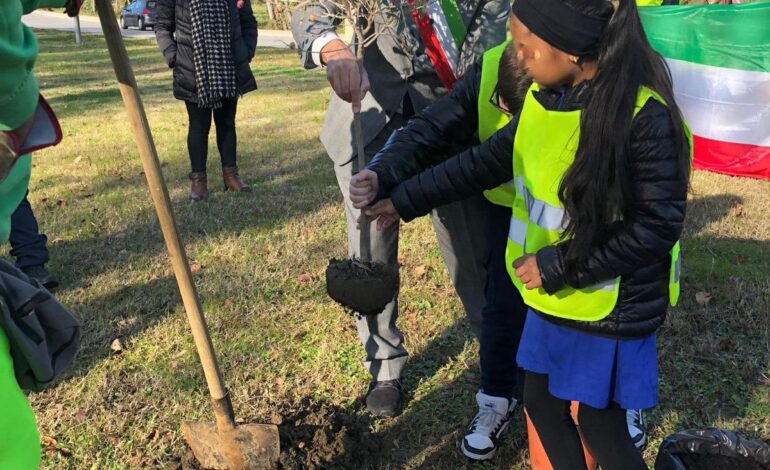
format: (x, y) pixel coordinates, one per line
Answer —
(728, 105)
(444, 34)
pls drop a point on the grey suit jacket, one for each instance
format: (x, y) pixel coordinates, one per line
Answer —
(396, 64)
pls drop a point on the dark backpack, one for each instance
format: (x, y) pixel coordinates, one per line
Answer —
(44, 336)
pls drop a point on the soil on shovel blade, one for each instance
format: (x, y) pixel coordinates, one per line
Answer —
(365, 288)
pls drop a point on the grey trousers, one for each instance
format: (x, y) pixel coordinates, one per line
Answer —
(459, 229)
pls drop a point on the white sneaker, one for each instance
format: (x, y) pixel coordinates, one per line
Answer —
(489, 425)
(635, 421)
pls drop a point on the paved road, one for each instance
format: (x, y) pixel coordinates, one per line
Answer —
(90, 25)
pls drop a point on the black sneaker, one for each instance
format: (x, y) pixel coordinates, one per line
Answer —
(635, 421)
(489, 425)
(41, 275)
(385, 398)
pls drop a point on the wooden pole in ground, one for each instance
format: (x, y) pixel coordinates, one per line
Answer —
(78, 35)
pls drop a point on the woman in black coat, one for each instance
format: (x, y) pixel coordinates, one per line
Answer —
(209, 45)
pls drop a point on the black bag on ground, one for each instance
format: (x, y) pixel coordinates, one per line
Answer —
(711, 449)
(44, 336)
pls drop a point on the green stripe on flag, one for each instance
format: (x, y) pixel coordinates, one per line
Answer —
(730, 36)
(455, 21)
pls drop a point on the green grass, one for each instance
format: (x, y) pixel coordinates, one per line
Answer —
(284, 346)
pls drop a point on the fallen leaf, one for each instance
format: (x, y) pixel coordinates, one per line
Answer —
(279, 381)
(421, 270)
(228, 304)
(301, 445)
(57, 241)
(61, 203)
(80, 416)
(50, 442)
(153, 436)
(78, 159)
(738, 210)
(195, 267)
(401, 260)
(726, 345)
(116, 346)
(742, 258)
(703, 298)
(306, 278)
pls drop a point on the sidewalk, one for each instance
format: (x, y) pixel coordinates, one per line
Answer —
(58, 21)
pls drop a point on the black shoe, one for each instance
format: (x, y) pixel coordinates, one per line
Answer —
(41, 275)
(385, 398)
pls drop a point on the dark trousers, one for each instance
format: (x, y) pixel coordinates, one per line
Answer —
(27, 243)
(504, 313)
(198, 133)
(604, 430)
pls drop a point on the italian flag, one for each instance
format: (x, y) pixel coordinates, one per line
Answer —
(719, 56)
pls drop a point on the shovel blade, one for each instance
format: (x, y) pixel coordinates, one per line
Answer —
(259, 445)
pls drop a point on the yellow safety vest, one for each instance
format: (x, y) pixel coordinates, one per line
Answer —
(545, 146)
(649, 3)
(492, 118)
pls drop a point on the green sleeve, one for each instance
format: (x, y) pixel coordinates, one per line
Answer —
(18, 51)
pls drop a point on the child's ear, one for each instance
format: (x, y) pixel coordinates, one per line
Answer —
(501, 102)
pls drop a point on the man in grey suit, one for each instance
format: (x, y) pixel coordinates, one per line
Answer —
(398, 80)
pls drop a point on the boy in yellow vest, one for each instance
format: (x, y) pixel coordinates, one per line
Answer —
(481, 103)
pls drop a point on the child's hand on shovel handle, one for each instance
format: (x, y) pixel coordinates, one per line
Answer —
(384, 212)
(363, 188)
(528, 272)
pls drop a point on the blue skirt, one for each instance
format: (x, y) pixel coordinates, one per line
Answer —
(591, 369)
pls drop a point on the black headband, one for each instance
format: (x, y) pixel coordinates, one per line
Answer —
(562, 26)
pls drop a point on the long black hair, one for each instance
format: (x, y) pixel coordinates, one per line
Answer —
(597, 187)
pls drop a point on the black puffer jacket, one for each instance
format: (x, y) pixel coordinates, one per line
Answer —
(636, 249)
(448, 126)
(173, 32)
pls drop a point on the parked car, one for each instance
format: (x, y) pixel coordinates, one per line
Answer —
(139, 13)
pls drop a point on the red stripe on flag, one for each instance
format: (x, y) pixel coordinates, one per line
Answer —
(433, 49)
(731, 158)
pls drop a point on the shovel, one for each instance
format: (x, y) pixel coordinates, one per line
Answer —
(360, 284)
(224, 445)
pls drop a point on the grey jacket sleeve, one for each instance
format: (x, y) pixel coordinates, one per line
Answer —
(164, 30)
(308, 23)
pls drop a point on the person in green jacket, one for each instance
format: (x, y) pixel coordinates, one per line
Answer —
(19, 95)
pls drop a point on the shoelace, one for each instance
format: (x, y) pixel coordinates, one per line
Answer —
(487, 421)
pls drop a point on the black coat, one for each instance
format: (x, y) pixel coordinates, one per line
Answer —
(636, 249)
(173, 32)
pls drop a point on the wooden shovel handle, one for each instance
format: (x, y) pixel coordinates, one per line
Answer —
(149, 156)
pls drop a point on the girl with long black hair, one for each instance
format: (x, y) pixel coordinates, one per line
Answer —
(601, 165)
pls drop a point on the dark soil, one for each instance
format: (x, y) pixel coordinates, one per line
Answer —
(365, 288)
(323, 436)
(318, 436)
(718, 462)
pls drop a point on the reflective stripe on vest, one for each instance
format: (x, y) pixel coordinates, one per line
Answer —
(492, 118)
(544, 148)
